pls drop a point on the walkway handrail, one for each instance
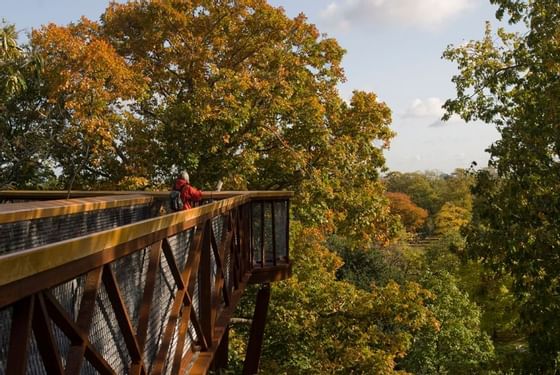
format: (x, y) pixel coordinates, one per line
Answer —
(59, 194)
(11, 212)
(186, 269)
(17, 266)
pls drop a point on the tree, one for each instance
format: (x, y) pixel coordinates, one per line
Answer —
(457, 187)
(451, 218)
(235, 87)
(240, 92)
(511, 81)
(12, 61)
(232, 91)
(412, 216)
(459, 346)
(237, 91)
(319, 325)
(86, 87)
(430, 190)
(375, 266)
(418, 186)
(489, 293)
(24, 157)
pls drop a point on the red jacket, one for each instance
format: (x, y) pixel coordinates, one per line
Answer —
(188, 193)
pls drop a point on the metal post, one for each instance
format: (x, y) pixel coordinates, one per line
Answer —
(273, 233)
(221, 356)
(205, 291)
(253, 355)
(262, 235)
(287, 231)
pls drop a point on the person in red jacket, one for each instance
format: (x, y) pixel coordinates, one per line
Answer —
(189, 194)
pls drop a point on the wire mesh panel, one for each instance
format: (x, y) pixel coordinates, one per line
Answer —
(28, 234)
(217, 227)
(196, 297)
(213, 272)
(165, 289)
(5, 327)
(146, 303)
(63, 344)
(281, 228)
(190, 339)
(88, 369)
(131, 272)
(69, 295)
(171, 353)
(180, 244)
(227, 265)
(34, 363)
(269, 232)
(106, 336)
(257, 232)
(105, 333)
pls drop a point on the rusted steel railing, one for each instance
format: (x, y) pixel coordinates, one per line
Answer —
(153, 296)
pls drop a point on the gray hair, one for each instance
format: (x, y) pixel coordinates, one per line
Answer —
(185, 175)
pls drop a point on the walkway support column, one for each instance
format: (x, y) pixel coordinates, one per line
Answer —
(220, 361)
(253, 355)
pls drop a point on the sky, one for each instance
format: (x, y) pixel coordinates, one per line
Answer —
(393, 48)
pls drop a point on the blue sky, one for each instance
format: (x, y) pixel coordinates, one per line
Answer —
(393, 49)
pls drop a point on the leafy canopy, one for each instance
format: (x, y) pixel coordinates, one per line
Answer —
(511, 80)
(229, 90)
(412, 216)
(24, 159)
(318, 324)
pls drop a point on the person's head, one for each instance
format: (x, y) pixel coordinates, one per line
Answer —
(184, 175)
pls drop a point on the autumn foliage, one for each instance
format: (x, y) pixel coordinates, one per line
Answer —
(412, 216)
(232, 91)
(318, 324)
(87, 84)
(237, 91)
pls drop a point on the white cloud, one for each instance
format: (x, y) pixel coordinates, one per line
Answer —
(430, 107)
(426, 14)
